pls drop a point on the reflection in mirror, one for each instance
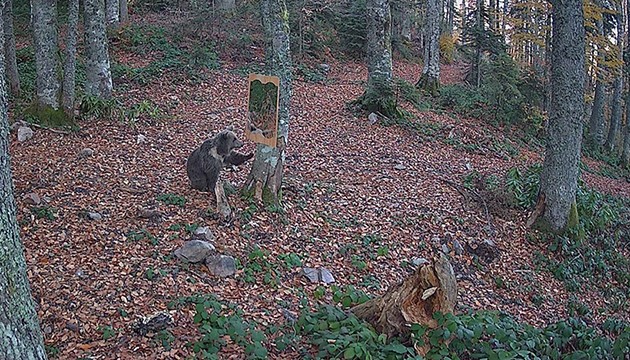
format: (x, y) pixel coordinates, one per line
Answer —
(262, 109)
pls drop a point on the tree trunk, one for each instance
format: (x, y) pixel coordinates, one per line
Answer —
(625, 151)
(9, 48)
(379, 95)
(596, 122)
(615, 117)
(69, 69)
(99, 77)
(21, 337)
(430, 289)
(558, 182)
(225, 4)
(265, 178)
(124, 11)
(430, 79)
(44, 23)
(401, 21)
(113, 13)
(450, 18)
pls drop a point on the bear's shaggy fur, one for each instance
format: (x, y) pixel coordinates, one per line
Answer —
(207, 161)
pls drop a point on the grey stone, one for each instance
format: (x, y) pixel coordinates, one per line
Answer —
(419, 261)
(141, 139)
(24, 133)
(72, 326)
(445, 249)
(400, 167)
(373, 118)
(324, 67)
(194, 251)
(32, 199)
(86, 152)
(203, 233)
(316, 275)
(311, 273)
(326, 276)
(94, 216)
(457, 246)
(221, 265)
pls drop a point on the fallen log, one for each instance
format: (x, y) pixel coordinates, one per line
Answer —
(431, 288)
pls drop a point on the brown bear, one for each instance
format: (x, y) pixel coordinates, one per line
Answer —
(207, 161)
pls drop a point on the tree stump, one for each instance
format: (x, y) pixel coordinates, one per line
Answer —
(430, 289)
(223, 206)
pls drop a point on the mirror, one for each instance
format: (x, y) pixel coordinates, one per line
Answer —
(262, 109)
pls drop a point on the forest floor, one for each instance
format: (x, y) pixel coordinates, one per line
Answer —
(350, 189)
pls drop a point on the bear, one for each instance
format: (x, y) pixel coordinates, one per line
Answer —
(207, 161)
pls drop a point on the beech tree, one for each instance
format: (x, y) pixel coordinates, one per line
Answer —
(47, 66)
(9, 48)
(20, 334)
(265, 178)
(69, 68)
(379, 94)
(616, 105)
(97, 67)
(556, 207)
(430, 79)
(112, 9)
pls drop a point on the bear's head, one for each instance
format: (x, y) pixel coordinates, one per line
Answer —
(226, 141)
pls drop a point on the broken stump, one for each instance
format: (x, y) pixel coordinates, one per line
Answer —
(431, 288)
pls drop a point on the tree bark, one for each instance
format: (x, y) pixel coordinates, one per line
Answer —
(430, 289)
(21, 337)
(44, 24)
(616, 112)
(401, 21)
(596, 122)
(69, 69)
(225, 4)
(430, 79)
(124, 11)
(97, 68)
(9, 48)
(265, 178)
(558, 181)
(113, 13)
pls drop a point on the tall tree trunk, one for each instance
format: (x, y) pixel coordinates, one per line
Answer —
(99, 77)
(625, 151)
(450, 18)
(379, 95)
(556, 209)
(480, 27)
(430, 79)
(113, 13)
(124, 11)
(615, 118)
(21, 337)
(225, 4)
(69, 69)
(265, 178)
(44, 23)
(596, 122)
(9, 48)
(402, 11)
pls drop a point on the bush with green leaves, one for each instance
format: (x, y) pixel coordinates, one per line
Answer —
(218, 321)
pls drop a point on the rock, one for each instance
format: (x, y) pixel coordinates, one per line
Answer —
(18, 124)
(487, 251)
(373, 118)
(289, 316)
(419, 261)
(87, 152)
(400, 167)
(149, 213)
(203, 233)
(141, 139)
(24, 133)
(94, 216)
(153, 324)
(445, 249)
(324, 67)
(316, 275)
(80, 273)
(326, 276)
(221, 265)
(194, 251)
(72, 326)
(32, 199)
(457, 246)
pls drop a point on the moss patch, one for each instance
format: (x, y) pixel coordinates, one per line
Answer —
(48, 116)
